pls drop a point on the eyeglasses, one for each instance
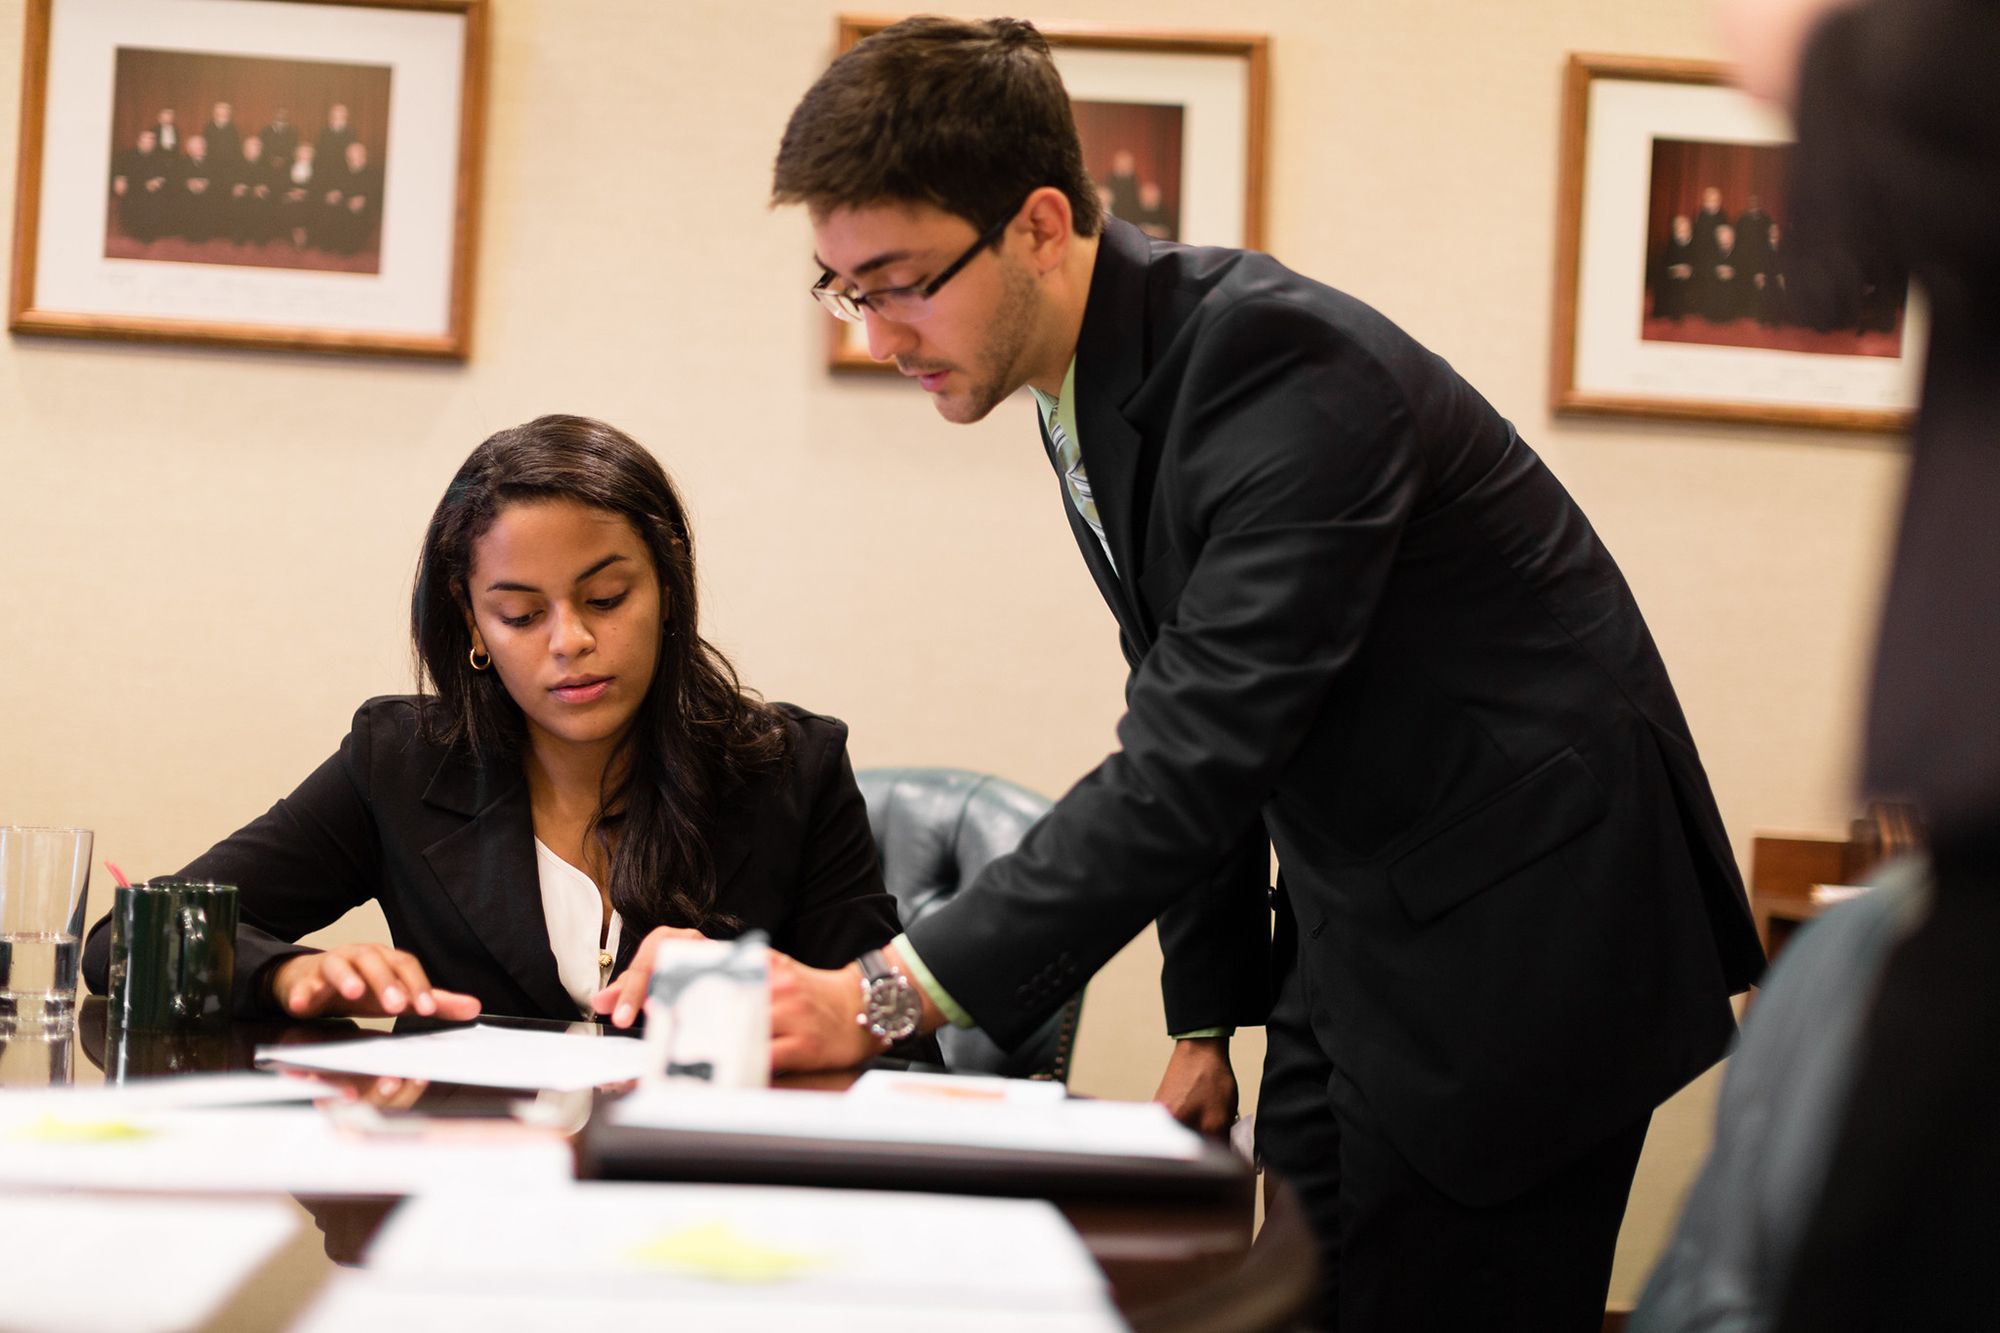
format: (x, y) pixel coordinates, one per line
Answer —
(904, 305)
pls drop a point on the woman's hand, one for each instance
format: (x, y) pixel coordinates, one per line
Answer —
(364, 980)
(626, 995)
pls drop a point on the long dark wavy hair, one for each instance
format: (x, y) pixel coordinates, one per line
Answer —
(697, 734)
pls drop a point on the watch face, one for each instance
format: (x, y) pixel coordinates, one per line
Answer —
(893, 1009)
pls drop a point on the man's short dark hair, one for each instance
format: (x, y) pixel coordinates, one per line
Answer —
(968, 115)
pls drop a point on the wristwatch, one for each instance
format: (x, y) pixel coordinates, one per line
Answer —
(890, 1006)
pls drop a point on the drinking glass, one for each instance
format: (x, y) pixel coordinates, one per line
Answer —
(44, 873)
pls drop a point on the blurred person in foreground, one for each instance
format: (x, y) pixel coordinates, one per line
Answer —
(1856, 1167)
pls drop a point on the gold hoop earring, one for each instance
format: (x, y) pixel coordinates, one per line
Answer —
(480, 661)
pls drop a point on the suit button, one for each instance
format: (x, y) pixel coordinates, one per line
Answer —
(605, 958)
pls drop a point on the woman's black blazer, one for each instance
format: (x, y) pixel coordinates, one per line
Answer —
(445, 844)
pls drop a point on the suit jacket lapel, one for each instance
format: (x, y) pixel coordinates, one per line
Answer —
(487, 868)
(1110, 367)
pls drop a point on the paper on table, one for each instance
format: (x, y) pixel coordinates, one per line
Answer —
(182, 1092)
(416, 1305)
(482, 1056)
(1095, 1128)
(93, 1143)
(382, 1305)
(174, 1261)
(800, 1248)
(896, 1083)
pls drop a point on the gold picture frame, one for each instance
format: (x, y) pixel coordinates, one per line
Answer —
(367, 247)
(1645, 324)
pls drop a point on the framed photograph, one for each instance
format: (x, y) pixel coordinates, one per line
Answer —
(1676, 294)
(255, 173)
(1172, 125)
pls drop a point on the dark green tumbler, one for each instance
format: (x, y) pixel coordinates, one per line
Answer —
(173, 955)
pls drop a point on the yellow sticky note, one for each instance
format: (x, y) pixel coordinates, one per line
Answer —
(719, 1252)
(50, 1129)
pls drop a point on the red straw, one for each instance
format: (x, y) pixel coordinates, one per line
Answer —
(118, 875)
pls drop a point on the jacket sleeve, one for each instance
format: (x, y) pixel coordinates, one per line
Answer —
(298, 867)
(1295, 446)
(1216, 942)
(840, 907)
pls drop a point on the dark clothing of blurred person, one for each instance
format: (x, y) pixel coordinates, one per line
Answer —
(1894, 167)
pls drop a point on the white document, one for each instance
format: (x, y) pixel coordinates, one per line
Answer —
(402, 1305)
(95, 1144)
(487, 1057)
(793, 1251)
(930, 1088)
(83, 1265)
(1080, 1125)
(181, 1092)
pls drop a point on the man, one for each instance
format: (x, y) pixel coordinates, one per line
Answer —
(1365, 625)
(281, 138)
(334, 138)
(1720, 284)
(1673, 275)
(1707, 219)
(353, 201)
(165, 133)
(1773, 300)
(1753, 230)
(225, 145)
(199, 197)
(253, 199)
(1123, 183)
(138, 177)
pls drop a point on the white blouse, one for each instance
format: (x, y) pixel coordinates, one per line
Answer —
(574, 910)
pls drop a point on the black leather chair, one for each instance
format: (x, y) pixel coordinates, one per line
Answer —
(937, 828)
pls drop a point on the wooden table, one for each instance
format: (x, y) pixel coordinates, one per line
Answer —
(1174, 1265)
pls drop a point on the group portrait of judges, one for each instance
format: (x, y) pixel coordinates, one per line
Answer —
(319, 192)
(1722, 268)
(1366, 628)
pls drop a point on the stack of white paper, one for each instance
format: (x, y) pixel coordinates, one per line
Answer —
(722, 1257)
(120, 1138)
(482, 1056)
(1094, 1128)
(87, 1265)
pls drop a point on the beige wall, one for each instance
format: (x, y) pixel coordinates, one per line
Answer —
(204, 556)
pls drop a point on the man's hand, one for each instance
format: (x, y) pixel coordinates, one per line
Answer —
(626, 995)
(1199, 1087)
(813, 1017)
(365, 980)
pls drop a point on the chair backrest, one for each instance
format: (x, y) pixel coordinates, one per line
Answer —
(937, 828)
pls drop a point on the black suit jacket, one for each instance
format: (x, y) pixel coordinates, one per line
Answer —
(446, 846)
(1366, 620)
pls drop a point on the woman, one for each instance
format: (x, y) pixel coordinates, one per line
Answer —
(584, 777)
